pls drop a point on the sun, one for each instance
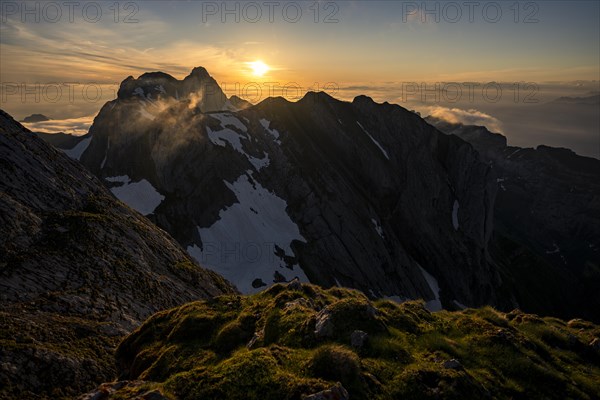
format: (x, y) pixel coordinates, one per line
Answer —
(259, 68)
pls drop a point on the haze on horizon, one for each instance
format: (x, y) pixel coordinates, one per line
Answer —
(348, 47)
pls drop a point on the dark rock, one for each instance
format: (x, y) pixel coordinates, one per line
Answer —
(452, 364)
(324, 325)
(543, 193)
(358, 339)
(294, 284)
(336, 392)
(278, 277)
(258, 283)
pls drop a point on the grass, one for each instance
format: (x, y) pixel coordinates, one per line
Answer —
(200, 350)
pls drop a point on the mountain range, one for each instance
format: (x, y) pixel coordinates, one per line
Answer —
(190, 238)
(355, 194)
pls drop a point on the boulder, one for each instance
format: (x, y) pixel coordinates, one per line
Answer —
(336, 392)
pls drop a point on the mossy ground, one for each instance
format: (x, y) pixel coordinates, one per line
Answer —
(64, 355)
(200, 350)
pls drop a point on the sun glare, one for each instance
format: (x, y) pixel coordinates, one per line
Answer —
(259, 68)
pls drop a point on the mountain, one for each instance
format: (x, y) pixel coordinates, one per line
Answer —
(354, 194)
(587, 100)
(298, 341)
(546, 221)
(78, 271)
(35, 118)
(152, 85)
(62, 140)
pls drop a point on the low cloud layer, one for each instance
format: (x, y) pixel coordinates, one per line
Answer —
(74, 126)
(466, 117)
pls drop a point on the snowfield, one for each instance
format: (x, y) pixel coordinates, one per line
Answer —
(77, 151)
(241, 245)
(435, 304)
(141, 196)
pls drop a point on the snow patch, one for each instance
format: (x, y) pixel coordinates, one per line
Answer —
(242, 244)
(435, 304)
(226, 135)
(396, 299)
(377, 227)
(514, 152)
(374, 141)
(455, 208)
(139, 92)
(459, 305)
(141, 196)
(77, 151)
(228, 119)
(554, 250)
(273, 132)
(105, 154)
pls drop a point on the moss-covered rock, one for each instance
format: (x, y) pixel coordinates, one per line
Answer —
(266, 346)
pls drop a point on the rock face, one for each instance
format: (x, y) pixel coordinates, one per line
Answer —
(355, 194)
(78, 270)
(152, 86)
(546, 222)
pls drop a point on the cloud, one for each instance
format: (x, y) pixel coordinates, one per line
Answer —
(466, 117)
(74, 126)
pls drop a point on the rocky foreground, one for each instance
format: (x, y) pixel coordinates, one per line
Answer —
(78, 271)
(298, 341)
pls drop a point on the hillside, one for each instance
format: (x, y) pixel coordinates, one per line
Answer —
(296, 340)
(78, 271)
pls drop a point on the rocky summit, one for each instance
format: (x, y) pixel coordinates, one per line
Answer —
(78, 270)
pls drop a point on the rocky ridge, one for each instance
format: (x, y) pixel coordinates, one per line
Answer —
(78, 270)
(546, 222)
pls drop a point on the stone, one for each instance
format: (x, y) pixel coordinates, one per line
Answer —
(295, 284)
(154, 395)
(324, 325)
(452, 364)
(358, 339)
(595, 344)
(258, 283)
(256, 338)
(278, 277)
(337, 392)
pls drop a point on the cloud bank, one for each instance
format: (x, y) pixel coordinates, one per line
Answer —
(74, 126)
(466, 117)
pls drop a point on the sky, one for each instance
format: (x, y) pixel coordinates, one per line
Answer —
(74, 57)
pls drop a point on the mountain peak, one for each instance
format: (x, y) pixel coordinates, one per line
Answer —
(35, 118)
(199, 72)
(158, 75)
(151, 86)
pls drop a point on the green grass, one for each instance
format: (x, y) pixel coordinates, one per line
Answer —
(200, 350)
